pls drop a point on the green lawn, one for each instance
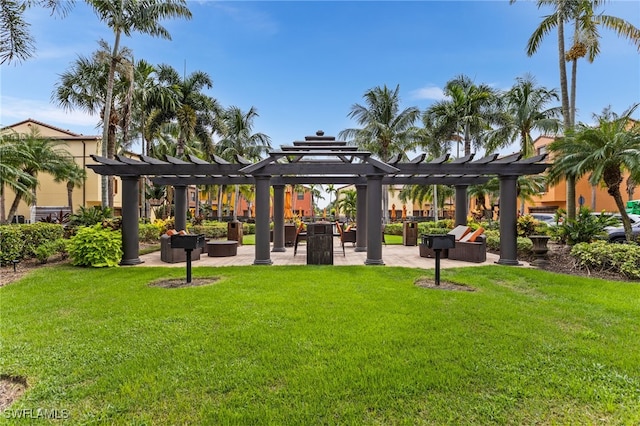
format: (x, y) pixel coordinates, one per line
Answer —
(324, 345)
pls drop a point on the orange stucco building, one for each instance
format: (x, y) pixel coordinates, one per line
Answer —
(555, 197)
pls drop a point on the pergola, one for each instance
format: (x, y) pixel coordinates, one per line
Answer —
(320, 159)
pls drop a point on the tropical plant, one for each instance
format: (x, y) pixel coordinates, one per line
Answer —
(83, 86)
(526, 110)
(604, 151)
(38, 155)
(74, 177)
(239, 141)
(96, 246)
(585, 43)
(466, 114)
(11, 174)
(584, 228)
(347, 203)
(386, 131)
(192, 112)
(125, 17)
(89, 216)
(16, 42)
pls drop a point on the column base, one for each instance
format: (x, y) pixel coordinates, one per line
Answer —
(278, 250)
(263, 262)
(374, 262)
(360, 249)
(508, 262)
(129, 262)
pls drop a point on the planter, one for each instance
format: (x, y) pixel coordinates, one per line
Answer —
(540, 250)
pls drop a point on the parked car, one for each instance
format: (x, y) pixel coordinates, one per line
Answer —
(616, 233)
(548, 218)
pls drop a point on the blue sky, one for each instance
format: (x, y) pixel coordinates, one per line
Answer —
(303, 64)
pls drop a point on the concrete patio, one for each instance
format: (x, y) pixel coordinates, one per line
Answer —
(392, 255)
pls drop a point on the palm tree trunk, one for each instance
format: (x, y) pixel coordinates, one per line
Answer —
(106, 120)
(614, 191)
(70, 195)
(14, 207)
(2, 212)
(566, 113)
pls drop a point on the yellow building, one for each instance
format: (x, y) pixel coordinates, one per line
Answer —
(555, 197)
(54, 194)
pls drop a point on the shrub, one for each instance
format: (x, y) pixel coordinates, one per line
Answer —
(526, 225)
(96, 246)
(89, 216)
(211, 229)
(601, 255)
(149, 232)
(46, 250)
(248, 228)
(36, 234)
(11, 243)
(393, 229)
(585, 228)
(523, 244)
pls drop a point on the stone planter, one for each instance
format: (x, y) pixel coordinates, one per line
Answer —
(540, 250)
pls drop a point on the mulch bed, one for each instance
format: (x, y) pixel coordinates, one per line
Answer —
(181, 283)
(11, 388)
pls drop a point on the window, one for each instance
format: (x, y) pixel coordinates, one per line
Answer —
(300, 195)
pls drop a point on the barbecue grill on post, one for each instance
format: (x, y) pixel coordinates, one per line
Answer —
(188, 242)
(439, 242)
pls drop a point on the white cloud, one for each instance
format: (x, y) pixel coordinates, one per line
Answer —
(13, 110)
(429, 92)
(249, 17)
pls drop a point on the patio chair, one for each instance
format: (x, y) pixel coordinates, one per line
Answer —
(301, 235)
(346, 236)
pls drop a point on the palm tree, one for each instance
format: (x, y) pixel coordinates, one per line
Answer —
(586, 39)
(83, 86)
(194, 112)
(331, 190)
(348, 203)
(16, 42)
(316, 194)
(603, 151)
(74, 177)
(125, 17)
(468, 112)
(11, 174)
(238, 140)
(585, 43)
(564, 10)
(386, 131)
(38, 154)
(526, 110)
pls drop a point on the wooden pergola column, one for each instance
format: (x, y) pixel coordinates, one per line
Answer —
(130, 242)
(263, 255)
(374, 221)
(508, 221)
(278, 219)
(461, 205)
(361, 218)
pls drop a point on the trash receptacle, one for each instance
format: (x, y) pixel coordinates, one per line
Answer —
(410, 233)
(320, 244)
(234, 232)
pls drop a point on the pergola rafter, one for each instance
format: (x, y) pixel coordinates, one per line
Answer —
(322, 160)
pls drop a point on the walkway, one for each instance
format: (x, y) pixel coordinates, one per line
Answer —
(393, 255)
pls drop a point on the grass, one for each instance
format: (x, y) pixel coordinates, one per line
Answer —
(324, 345)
